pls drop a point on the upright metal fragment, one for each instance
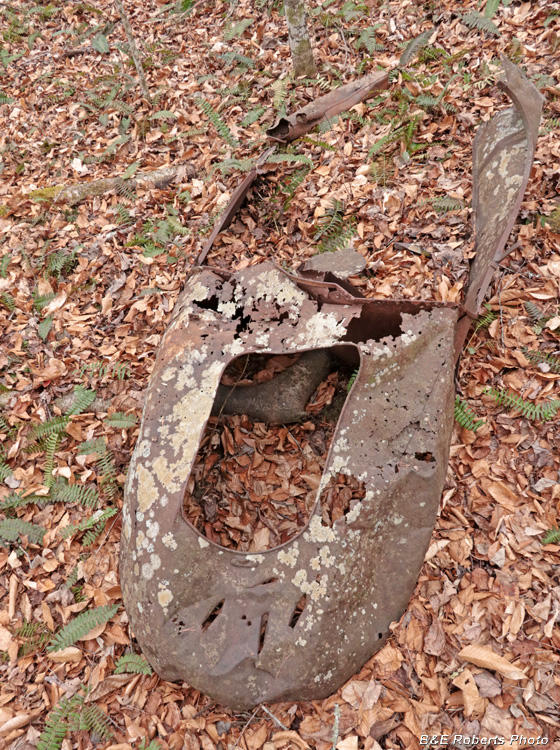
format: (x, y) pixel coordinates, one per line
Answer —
(503, 152)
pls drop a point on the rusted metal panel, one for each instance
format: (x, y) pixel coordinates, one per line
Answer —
(198, 610)
(393, 437)
(503, 152)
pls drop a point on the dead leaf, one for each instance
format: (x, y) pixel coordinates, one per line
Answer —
(488, 659)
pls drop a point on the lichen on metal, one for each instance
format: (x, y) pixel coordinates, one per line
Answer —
(296, 621)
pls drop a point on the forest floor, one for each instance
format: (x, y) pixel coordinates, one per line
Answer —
(85, 295)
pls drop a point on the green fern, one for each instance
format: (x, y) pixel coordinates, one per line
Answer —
(105, 464)
(242, 60)
(536, 315)
(134, 663)
(91, 719)
(53, 426)
(552, 360)
(60, 263)
(352, 381)
(252, 116)
(217, 121)
(51, 444)
(552, 536)
(76, 493)
(237, 29)
(5, 428)
(72, 715)
(82, 399)
(5, 469)
(35, 636)
(334, 230)
(474, 20)
(4, 263)
(289, 189)
(44, 327)
(484, 321)
(444, 203)
(8, 301)
(14, 501)
(12, 528)
(230, 165)
(465, 416)
(367, 39)
(290, 159)
(414, 46)
(56, 726)
(280, 93)
(538, 412)
(121, 421)
(81, 625)
(490, 8)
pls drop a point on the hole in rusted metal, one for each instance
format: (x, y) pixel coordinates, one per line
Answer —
(298, 611)
(209, 619)
(262, 634)
(254, 485)
(428, 457)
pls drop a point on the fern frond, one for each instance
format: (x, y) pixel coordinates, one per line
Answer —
(76, 493)
(552, 360)
(414, 46)
(51, 444)
(290, 159)
(252, 116)
(6, 428)
(82, 399)
(8, 301)
(36, 636)
(552, 536)
(90, 719)
(56, 726)
(291, 186)
(4, 264)
(484, 321)
(465, 416)
(474, 20)
(443, 204)
(42, 300)
(95, 445)
(229, 165)
(280, 89)
(81, 625)
(134, 663)
(535, 313)
(53, 426)
(334, 231)
(12, 528)
(14, 501)
(321, 144)
(121, 421)
(538, 412)
(217, 121)
(352, 381)
(44, 327)
(97, 520)
(490, 8)
(242, 60)
(367, 39)
(5, 469)
(237, 29)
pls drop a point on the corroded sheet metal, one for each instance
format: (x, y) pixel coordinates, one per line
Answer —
(224, 620)
(392, 437)
(503, 152)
